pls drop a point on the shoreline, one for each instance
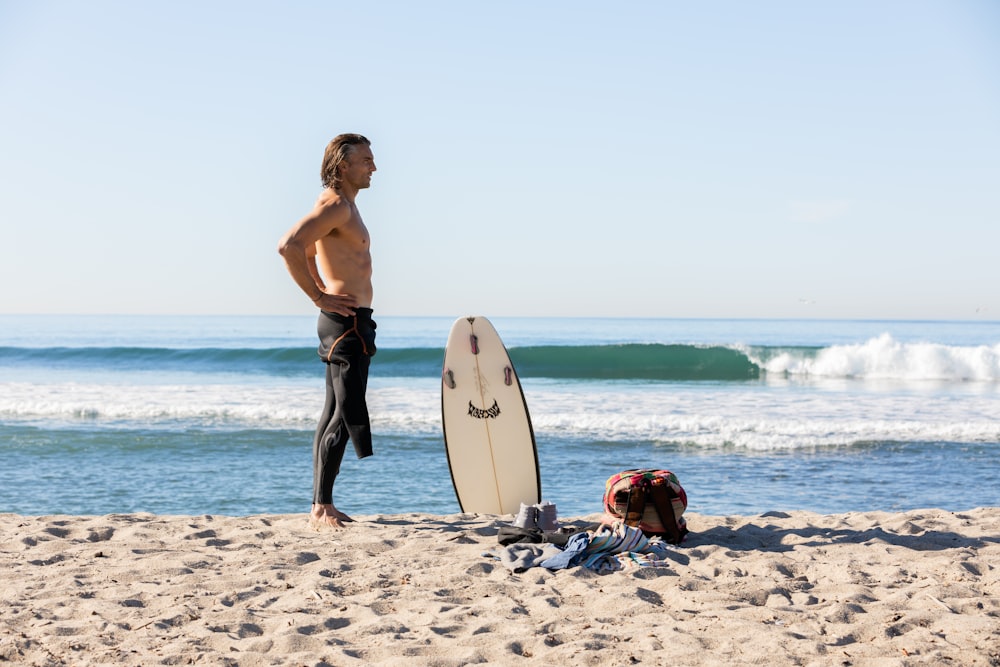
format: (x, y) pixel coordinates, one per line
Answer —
(908, 588)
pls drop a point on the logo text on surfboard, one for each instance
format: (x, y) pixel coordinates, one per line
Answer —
(479, 413)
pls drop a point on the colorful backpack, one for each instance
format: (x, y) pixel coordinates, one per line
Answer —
(651, 499)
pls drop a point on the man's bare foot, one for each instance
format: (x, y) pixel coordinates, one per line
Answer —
(327, 516)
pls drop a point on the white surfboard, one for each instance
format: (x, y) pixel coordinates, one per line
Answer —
(487, 429)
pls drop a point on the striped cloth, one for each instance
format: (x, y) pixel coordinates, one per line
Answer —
(618, 546)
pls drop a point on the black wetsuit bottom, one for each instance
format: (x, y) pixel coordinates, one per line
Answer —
(347, 344)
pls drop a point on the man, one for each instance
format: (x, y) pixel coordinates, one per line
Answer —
(328, 255)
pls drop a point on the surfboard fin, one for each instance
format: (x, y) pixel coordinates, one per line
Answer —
(449, 379)
(508, 375)
(474, 342)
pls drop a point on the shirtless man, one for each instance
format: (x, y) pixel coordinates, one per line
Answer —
(328, 255)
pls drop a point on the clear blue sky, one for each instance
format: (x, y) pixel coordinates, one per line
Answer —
(655, 159)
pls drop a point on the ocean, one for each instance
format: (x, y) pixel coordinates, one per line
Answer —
(214, 415)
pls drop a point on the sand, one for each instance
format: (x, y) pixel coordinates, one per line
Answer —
(797, 588)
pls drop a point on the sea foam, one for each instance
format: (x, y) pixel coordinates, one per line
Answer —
(886, 358)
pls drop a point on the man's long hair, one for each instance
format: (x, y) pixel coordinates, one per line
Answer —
(336, 152)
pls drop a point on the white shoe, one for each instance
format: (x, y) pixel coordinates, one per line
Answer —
(546, 520)
(527, 517)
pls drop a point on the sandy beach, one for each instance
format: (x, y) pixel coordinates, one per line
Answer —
(797, 588)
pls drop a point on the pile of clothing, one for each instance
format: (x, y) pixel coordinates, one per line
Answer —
(604, 549)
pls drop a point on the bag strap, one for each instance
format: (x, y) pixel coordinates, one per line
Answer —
(662, 496)
(635, 505)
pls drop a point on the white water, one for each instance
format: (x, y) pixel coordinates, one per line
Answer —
(885, 357)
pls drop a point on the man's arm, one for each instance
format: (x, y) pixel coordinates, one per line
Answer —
(298, 248)
(313, 269)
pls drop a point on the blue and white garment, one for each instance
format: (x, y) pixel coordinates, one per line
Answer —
(605, 550)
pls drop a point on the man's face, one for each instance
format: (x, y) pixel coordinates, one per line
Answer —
(359, 165)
